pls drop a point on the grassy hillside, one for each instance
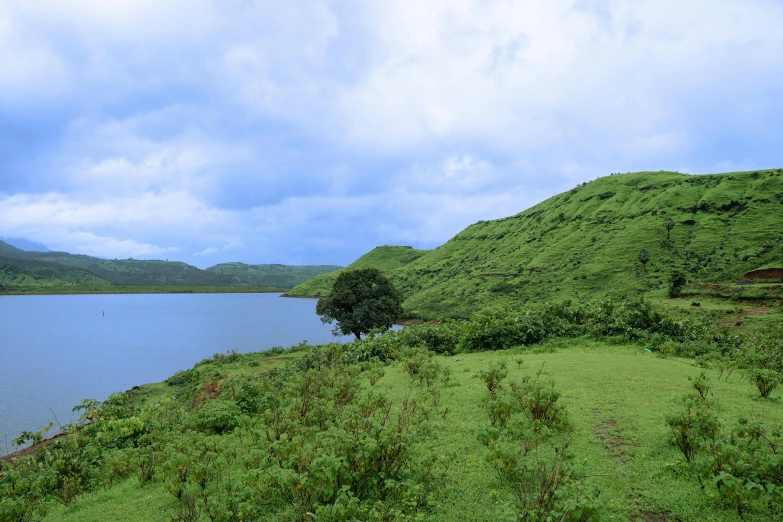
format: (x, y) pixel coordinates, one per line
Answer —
(565, 409)
(385, 258)
(585, 242)
(281, 276)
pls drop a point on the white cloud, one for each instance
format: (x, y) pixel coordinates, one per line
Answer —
(282, 128)
(207, 251)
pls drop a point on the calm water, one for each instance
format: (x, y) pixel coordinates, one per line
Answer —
(57, 350)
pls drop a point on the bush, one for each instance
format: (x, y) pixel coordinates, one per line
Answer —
(746, 465)
(493, 377)
(538, 397)
(698, 424)
(677, 282)
(183, 378)
(218, 416)
(765, 380)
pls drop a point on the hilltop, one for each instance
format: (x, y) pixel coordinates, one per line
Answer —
(387, 259)
(585, 242)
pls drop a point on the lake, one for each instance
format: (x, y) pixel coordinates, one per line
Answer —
(56, 350)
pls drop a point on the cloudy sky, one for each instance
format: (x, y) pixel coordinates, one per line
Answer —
(306, 132)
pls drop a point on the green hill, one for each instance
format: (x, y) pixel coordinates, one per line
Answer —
(585, 242)
(42, 276)
(281, 276)
(64, 269)
(5, 248)
(387, 259)
(130, 271)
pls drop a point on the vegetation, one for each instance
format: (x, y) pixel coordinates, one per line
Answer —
(677, 282)
(384, 258)
(567, 410)
(320, 433)
(668, 224)
(149, 289)
(644, 257)
(30, 272)
(726, 225)
(280, 276)
(360, 301)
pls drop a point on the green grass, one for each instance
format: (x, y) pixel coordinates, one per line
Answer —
(125, 502)
(616, 397)
(384, 258)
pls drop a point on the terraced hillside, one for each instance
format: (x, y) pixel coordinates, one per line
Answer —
(387, 259)
(586, 241)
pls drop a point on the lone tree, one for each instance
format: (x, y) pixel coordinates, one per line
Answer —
(360, 301)
(644, 257)
(668, 224)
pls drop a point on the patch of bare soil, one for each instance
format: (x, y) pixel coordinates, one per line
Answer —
(30, 450)
(211, 390)
(606, 432)
(737, 321)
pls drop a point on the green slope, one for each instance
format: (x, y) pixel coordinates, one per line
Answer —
(281, 276)
(5, 248)
(384, 258)
(41, 276)
(585, 242)
(134, 272)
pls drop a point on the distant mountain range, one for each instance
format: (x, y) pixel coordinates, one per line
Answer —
(25, 268)
(25, 244)
(586, 242)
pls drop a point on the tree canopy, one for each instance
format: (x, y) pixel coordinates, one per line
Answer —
(360, 301)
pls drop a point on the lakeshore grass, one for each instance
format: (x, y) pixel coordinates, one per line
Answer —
(616, 398)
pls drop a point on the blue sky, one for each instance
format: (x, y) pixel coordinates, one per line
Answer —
(308, 132)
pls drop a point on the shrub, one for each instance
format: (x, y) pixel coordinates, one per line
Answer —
(677, 282)
(183, 378)
(493, 377)
(538, 397)
(746, 465)
(765, 380)
(698, 424)
(218, 416)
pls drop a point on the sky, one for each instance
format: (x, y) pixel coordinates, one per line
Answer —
(309, 132)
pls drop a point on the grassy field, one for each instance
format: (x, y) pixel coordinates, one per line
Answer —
(616, 398)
